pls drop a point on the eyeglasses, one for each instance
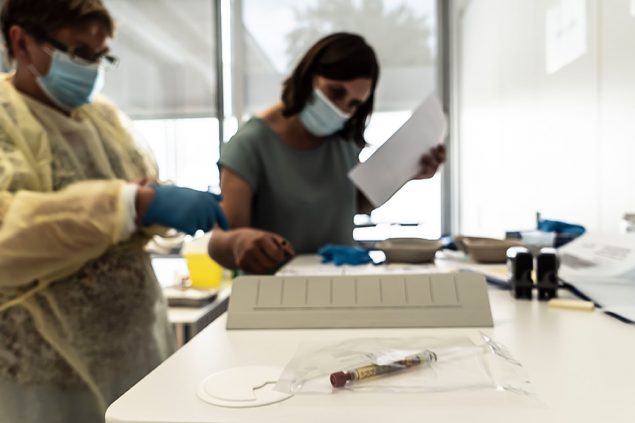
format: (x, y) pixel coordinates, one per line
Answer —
(82, 54)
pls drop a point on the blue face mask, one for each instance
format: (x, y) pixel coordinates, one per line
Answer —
(69, 84)
(321, 117)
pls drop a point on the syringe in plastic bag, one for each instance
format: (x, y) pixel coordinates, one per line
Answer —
(339, 379)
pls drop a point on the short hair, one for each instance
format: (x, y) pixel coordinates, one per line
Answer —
(341, 56)
(42, 18)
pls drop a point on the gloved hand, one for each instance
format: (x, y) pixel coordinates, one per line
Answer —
(560, 227)
(184, 209)
(344, 254)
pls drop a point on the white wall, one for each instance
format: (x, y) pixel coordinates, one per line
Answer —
(561, 143)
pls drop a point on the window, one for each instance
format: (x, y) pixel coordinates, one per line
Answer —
(186, 150)
(166, 81)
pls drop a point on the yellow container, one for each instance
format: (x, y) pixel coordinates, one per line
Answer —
(204, 272)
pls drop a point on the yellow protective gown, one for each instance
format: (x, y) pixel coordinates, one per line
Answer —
(82, 317)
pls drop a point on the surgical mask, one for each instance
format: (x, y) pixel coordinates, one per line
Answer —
(70, 84)
(321, 117)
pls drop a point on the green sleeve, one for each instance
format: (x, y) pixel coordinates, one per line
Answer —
(242, 155)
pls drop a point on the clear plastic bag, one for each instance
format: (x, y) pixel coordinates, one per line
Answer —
(449, 364)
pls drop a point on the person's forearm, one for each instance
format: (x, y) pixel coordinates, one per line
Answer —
(47, 236)
(363, 204)
(221, 248)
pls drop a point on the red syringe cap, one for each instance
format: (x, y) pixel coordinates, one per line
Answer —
(339, 379)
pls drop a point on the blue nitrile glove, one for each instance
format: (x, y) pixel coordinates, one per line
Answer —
(344, 254)
(560, 227)
(184, 209)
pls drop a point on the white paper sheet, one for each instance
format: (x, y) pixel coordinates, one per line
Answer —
(397, 160)
(602, 267)
(599, 256)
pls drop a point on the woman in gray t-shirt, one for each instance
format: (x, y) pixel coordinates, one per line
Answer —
(284, 173)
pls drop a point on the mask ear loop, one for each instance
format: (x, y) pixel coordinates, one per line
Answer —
(34, 71)
(332, 105)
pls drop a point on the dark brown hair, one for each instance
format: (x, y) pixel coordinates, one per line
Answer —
(340, 56)
(42, 18)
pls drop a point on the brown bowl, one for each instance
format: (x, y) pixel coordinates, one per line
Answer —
(409, 250)
(486, 250)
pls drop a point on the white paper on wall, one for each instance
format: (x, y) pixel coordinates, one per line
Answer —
(565, 33)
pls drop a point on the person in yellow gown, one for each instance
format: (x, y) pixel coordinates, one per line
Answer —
(82, 317)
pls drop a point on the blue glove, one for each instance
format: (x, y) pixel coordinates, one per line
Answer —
(184, 209)
(344, 254)
(560, 227)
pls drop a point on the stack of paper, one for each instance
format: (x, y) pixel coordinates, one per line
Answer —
(602, 267)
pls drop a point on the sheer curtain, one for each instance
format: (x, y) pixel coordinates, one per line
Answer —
(166, 82)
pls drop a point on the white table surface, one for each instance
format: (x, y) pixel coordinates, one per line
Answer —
(581, 365)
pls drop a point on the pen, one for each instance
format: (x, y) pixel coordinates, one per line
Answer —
(339, 379)
(286, 250)
(284, 246)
